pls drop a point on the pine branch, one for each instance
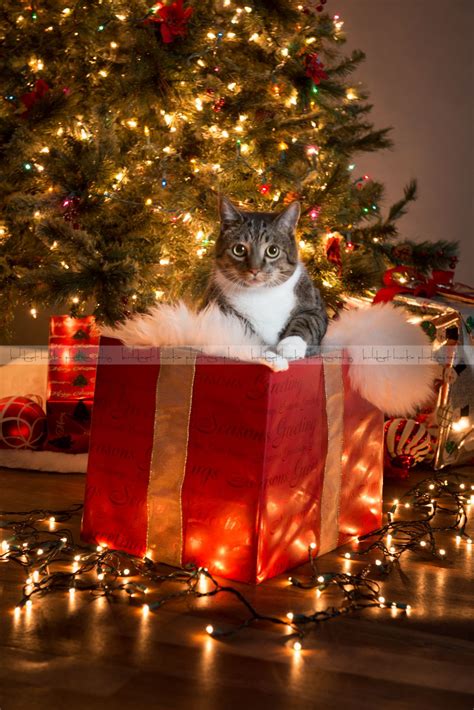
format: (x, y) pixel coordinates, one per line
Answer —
(399, 209)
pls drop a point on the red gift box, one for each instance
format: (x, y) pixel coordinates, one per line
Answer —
(229, 466)
(68, 423)
(73, 351)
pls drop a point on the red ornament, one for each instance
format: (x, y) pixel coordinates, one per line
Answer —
(314, 212)
(314, 68)
(407, 442)
(32, 97)
(71, 210)
(265, 188)
(314, 6)
(333, 250)
(172, 19)
(218, 105)
(22, 423)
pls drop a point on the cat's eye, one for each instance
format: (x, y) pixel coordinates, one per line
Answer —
(272, 251)
(239, 250)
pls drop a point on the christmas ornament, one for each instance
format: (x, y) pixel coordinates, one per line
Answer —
(71, 210)
(265, 188)
(314, 68)
(32, 97)
(22, 422)
(314, 6)
(333, 249)
(407, 442)
(218, 105)
(173, 20)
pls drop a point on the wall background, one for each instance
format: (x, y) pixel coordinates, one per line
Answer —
(419, 72)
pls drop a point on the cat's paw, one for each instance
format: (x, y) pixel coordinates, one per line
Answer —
(292, 348)
(275, 362)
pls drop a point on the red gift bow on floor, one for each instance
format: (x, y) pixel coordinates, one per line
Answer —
(406, 279)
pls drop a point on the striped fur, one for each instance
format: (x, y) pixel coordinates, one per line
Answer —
(266, 285)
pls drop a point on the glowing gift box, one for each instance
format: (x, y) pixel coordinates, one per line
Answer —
(226, 465)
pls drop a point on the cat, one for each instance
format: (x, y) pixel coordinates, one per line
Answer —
(258, 277)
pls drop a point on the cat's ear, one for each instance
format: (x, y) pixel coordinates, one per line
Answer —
(288, 219)
(228, 212)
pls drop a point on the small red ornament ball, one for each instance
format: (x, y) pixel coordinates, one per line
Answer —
(22, 423)
(407, 442)
(265, 188)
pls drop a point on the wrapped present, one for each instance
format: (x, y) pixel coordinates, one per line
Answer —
(228, 465)
(73, 349)
(68, 424)
(449, 320)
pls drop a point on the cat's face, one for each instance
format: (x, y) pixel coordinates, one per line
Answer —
(257, 249)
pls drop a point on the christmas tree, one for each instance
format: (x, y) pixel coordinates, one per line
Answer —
(121, 123)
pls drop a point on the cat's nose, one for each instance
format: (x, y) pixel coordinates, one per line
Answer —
(254, 272)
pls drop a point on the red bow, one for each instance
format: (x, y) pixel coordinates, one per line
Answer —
(405, 279)
(29, 99)
(314, 68)
(173, 20)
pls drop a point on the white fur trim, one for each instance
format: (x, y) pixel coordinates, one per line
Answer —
(396, 389)
(209, 330)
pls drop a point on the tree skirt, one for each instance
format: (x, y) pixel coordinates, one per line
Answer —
(44, 461)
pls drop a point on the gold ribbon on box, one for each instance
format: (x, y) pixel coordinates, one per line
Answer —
(174, 393)
(331, 493)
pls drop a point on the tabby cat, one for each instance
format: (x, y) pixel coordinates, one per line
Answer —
(259, 277)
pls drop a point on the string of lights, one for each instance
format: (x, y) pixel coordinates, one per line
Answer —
(54, 563)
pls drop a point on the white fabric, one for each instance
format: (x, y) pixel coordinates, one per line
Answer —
(44, 461)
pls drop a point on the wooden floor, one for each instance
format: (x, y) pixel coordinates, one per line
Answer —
(86, 653)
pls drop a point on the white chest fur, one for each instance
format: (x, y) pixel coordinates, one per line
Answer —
(267, 309)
